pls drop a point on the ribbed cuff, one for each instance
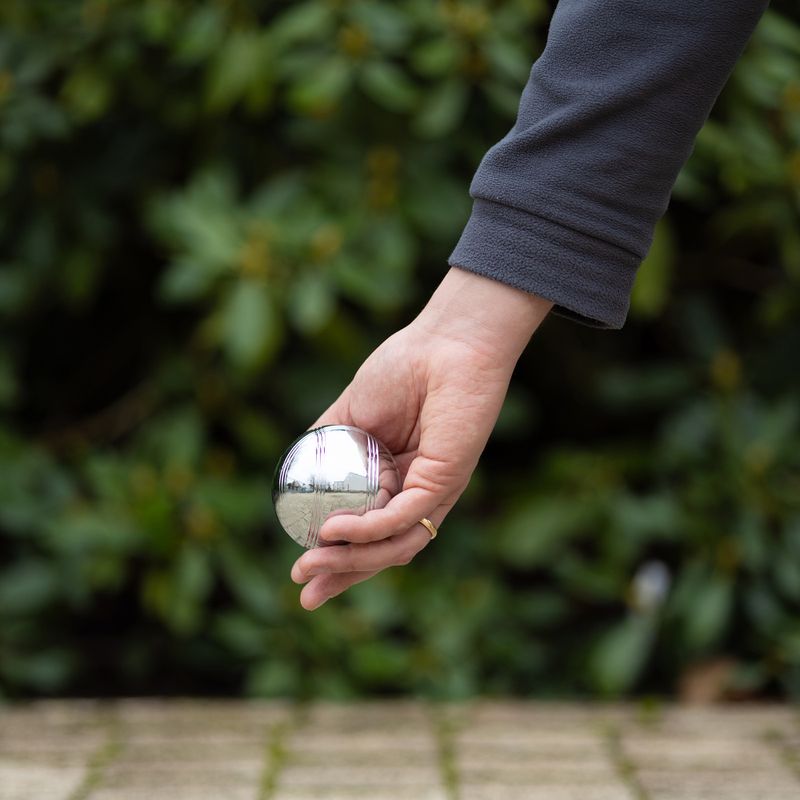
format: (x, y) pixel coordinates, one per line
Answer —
(588, 279)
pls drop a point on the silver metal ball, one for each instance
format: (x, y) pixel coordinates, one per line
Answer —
(335, 469)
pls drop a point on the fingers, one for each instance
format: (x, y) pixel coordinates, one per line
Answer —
(392, 552)
(400, 514)
(331, 570)
(324, 587)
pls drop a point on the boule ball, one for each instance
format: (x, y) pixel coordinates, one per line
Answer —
(334, 469)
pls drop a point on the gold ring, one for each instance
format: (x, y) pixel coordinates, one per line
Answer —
(430, 526)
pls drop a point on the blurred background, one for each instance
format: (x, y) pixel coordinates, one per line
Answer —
(213, 211)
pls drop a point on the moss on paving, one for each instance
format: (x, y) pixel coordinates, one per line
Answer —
(277, 752)
(99, 762)
(624, 767)
(444, 734)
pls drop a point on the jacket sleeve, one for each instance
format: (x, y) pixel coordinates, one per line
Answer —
(564, 206)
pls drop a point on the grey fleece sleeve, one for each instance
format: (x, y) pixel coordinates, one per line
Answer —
(566, 203)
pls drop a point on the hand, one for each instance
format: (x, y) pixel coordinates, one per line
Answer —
(431, 393)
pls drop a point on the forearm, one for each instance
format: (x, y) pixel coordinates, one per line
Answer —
(486, 314)
(566, 203)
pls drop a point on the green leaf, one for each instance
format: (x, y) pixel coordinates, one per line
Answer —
(764, 609)
(187, 280)
(509, 59)
(175, 437)
(250, 583)
(535, 533)
(257, 434)
(311, 302)
(787, 576)
(86, 533)
(778, 30)
(201, 225)
(158, 19)
(379, 662)
(442, 110)
(651, 287)
(86, 93)
(388, 86)
(47, 671)
(618, 659)
(302, 21)
(388, 25)
(201, 35)
(438, 57)
(644, 386)
(241, 69)
(640, 518)
(708, 612)
(376, 269)
(240, 633)
(272, 678)
(190, 583)
(239, 503)
(322, 88)
(249, 326)
(686, 436)
(27, 587)
(438, 207)
(502, 97)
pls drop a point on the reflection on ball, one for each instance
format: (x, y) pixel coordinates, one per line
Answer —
(335, 469)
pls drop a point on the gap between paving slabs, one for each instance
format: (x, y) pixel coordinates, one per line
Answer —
(100, 760)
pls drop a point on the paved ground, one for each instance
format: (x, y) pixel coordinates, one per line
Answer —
(189, 750)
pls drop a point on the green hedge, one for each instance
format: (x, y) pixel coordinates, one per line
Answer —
(213, 211)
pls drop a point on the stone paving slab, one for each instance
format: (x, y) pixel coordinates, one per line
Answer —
(34, 781)
(403, 750)
(175, 793)
(366, 793)
(501, 791)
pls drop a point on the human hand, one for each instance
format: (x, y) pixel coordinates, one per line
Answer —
(431, 393)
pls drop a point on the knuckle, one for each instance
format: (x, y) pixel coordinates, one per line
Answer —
(435, 475)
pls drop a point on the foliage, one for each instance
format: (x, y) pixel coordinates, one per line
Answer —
(213, 211)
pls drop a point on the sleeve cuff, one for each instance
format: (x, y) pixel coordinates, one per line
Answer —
(589, 280)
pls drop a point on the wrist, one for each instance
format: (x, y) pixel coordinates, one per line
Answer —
(485, 312)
